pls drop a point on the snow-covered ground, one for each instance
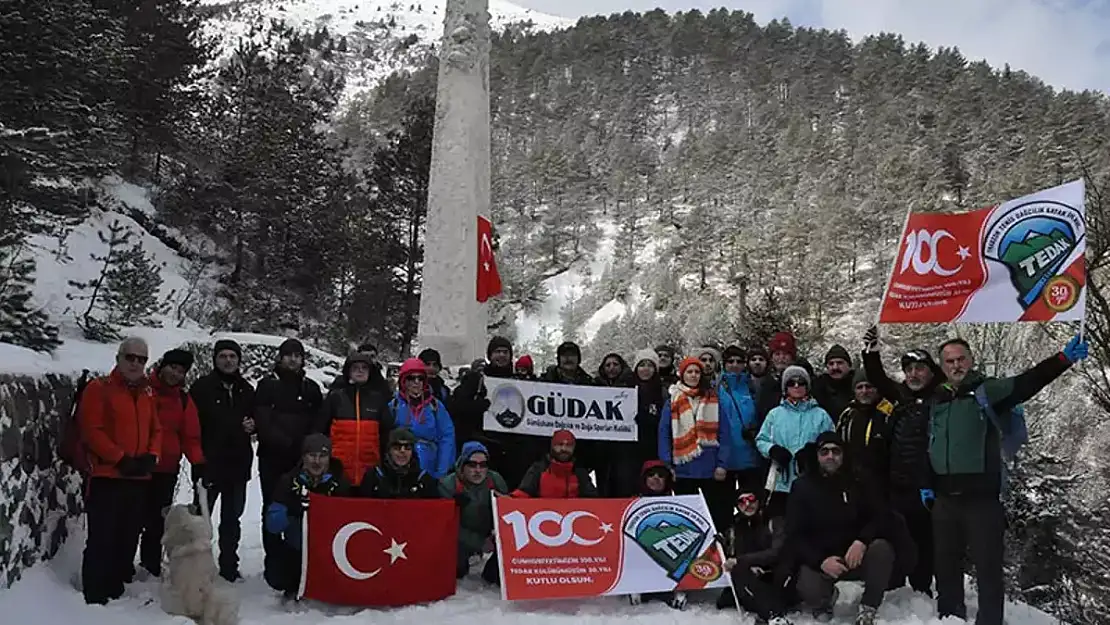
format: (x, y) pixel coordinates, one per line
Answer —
(48, 595)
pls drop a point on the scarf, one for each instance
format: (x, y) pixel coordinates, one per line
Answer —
(694, 422)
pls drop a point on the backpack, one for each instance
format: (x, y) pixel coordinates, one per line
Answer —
(71, 448)
(1012, 431)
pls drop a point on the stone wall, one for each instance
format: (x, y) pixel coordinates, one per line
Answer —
(37, 491)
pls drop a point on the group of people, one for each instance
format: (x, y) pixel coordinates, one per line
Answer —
(810, 478)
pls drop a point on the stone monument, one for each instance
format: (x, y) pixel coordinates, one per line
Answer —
(451, 319)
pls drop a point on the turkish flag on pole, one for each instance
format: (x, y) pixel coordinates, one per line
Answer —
(375, 552)
(489, 280)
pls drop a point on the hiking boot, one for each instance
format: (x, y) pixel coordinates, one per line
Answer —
(678, 601)
(867, 615)
(231, 575)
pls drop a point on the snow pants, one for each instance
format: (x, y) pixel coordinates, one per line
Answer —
(159, 494)
(232, 495)
(969, 525)
(111, 530)
(766, 595)
(273, 569)
(816, 589)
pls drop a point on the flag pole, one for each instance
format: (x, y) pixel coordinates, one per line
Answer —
(893, 264)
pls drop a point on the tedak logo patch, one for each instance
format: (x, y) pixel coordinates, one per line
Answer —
(674, 537)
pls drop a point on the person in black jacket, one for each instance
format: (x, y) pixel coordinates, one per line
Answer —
(838, 529)
(863, 426)
(399, 476)
(908, 446)
(667, 375)
(833, 389)
(434, 363)
(225, 407)
(761, 579)
(356, 416)
(651, 397)
(287, 405)
(614, 463)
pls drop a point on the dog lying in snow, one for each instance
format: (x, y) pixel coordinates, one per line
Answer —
(191, 585)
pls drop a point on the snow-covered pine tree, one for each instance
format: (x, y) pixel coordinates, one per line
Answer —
(94, 320)
(131, 289)
(20, 323)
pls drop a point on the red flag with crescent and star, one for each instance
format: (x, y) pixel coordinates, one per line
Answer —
(378, 552)
(489, 280)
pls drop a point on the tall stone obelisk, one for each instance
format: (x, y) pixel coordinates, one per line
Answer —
(451, 319)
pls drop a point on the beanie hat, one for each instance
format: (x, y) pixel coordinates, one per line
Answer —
(734, 351)
(569, 347)
(224, 345)
(401, 435)
(794, 372)
(861, 376)
(368, 347)
(838, 351)
(430, 356)
(525, 362)
(758, 350)
(291, 346)
(563, 437)
(783, 342)
(664, 349)
(648, 355)
(498, 342)
(177, 357)
(918, 355)
(686, 363)
(316, 444)
(713, 351)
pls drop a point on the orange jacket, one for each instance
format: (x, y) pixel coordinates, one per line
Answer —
(177, 414)
(118, 420)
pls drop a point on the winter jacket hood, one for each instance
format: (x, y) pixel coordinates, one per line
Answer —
(668, 478)
(434, 429)
(624, 378)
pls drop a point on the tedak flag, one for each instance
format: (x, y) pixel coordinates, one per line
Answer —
(371, 552)
(489, 280)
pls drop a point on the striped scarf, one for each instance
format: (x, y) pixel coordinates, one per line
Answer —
(694, 422)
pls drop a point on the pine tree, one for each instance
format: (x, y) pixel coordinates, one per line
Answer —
(95, 320)
(131, 289)
(20, 323)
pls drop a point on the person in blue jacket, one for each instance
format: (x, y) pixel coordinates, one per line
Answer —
(789, 427)
(416, 409)
(695, 442)
(745, 465)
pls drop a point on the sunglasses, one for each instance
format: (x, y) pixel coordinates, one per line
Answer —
(474, 464)
(830, 451)
(796, 383)
(735, 361)
(747, 500)
(139, 358)
(416, 378)
(402, 445)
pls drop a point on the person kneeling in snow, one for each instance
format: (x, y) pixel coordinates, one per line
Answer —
(400, 476)
(317, 473)
(760, 575)
(473, 486)
(839, 530)
(656, 480)
(557, 477)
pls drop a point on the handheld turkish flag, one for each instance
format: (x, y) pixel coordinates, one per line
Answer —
(374, 552)
(489, 280)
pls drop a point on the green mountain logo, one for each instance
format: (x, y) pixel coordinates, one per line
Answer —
(671, 546)
(1036, 258)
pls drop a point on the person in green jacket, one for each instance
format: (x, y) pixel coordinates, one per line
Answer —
(965, 456)
(473, 486)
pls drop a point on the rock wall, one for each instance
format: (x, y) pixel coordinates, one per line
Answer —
(37, 491)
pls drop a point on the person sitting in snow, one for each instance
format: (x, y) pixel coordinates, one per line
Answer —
(656, 480)
(400, 476)
(416, 409)
(557, 477)
(473, 485)
(317, 473)
(761, 577)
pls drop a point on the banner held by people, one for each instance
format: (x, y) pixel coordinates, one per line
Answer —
(1022, 260)
(563, 548)
(372, 552)
(541, 409)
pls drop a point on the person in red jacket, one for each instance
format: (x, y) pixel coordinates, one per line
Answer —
(556, 477)
(119, 426)
(177, 415)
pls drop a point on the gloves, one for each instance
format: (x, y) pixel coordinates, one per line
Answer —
(1077, 349)
(871, 339)
(928, 497)
(147, 462)
(277, 518)
(781, 455)
(461, 499)
(130, 467)
(750, 434)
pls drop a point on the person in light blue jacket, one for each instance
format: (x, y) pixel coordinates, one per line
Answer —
(415, 408)
(790, 426)
(745, 464)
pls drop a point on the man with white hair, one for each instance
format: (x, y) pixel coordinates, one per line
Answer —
(120, 428)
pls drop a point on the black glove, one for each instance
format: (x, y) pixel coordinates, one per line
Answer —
(129, 467)
(781, 455)
(461, 499)
(750, 434)
(871, 339)
(147, 462)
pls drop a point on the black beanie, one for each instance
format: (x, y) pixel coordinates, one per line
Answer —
(430, 356)
(498, 342)
(569, 347)
(734, 351)
(838, 351)
(918, 355)
(224, 345)
(291, 346)
(758, 350)
(178, 357)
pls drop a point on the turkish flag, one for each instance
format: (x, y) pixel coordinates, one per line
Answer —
(489, 280)
(379, 552)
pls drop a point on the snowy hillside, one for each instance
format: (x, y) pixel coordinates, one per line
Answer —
(382, 35)
(47, 595)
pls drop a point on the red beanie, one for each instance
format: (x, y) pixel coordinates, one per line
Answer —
(524, 362)
(783, 342)
(686, 363)
(563, 437)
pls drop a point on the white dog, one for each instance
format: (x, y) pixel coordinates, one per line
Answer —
(191, 585)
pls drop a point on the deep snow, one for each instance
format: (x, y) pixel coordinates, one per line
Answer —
(48, 595)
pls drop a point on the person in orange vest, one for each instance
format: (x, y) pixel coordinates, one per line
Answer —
(177, 414)
(120, 428)
(356, 417)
